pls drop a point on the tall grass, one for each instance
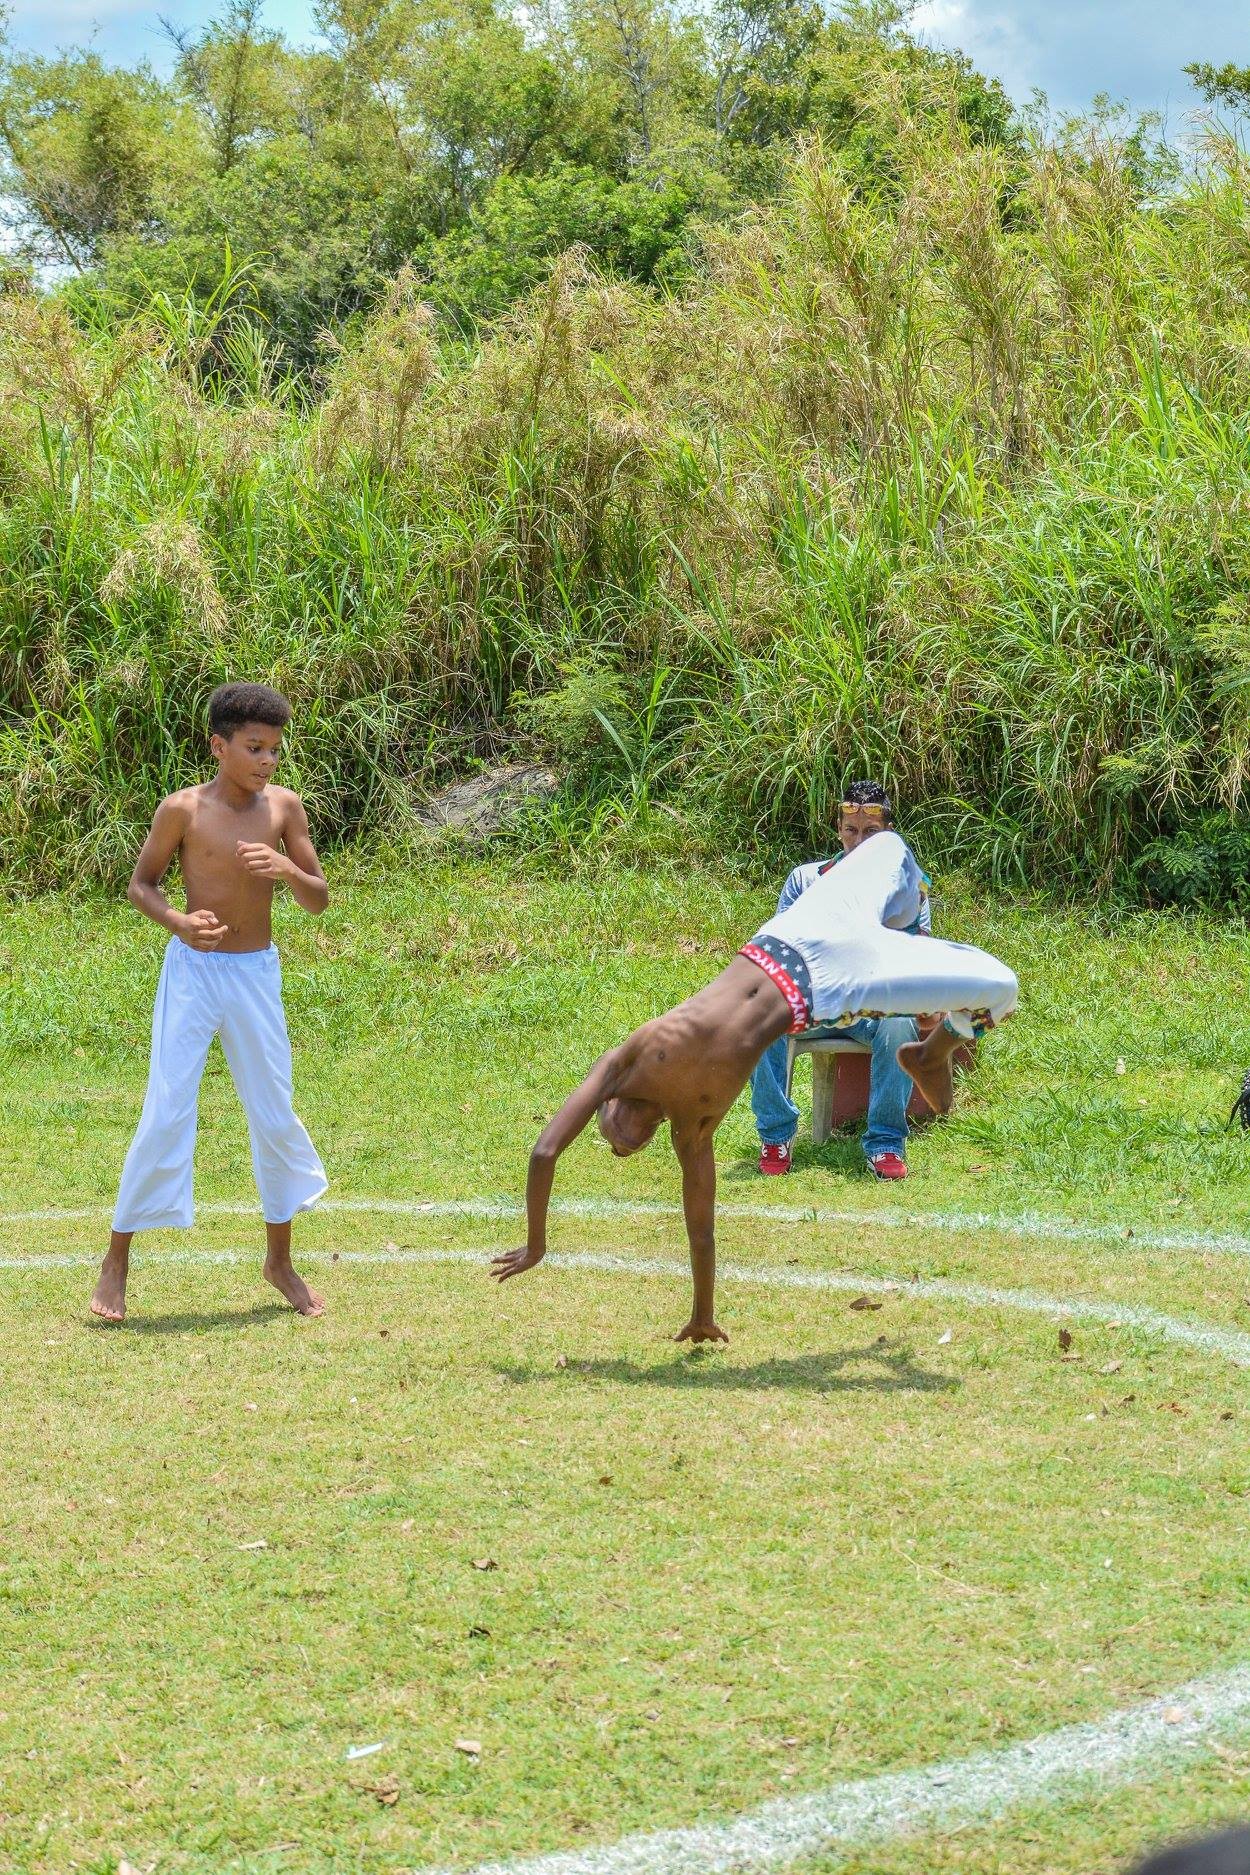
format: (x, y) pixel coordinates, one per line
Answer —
(951, 485)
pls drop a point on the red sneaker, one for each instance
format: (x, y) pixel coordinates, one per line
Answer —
(886, 1165)
(774, 1160)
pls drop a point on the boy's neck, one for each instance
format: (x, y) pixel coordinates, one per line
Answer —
(233, 793)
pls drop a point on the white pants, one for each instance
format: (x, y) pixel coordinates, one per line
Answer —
(239, 997)
(839, 934)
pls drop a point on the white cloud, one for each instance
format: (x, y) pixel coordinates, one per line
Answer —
(1071, 49)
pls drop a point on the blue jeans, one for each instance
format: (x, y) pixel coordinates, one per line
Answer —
(777, 1117)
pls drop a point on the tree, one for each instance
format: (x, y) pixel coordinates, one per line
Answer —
(89, 152)
(1222, 84)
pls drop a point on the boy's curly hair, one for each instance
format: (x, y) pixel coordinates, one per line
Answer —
(232, 705)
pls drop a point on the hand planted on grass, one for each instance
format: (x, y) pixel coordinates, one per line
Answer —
(263, 860)
(514, 1262)
(201, 930)
(695, 1330)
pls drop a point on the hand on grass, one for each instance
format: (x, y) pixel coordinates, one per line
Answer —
(515, 1262)
(695, 1330)
(263, 860)
(201, 930)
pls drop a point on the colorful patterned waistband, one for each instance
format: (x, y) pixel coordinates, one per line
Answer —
(783, 965)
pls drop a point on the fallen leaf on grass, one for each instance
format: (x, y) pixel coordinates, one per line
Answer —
(1065, 1340)
(1112, 1367)
(865, 1302)
(479, 1634)
(1228, 1414)
(486, 1562)
(1119, 1065)
(1128, 1399)
(408, 1524)
(385, 1333)
(606, 1478)
(260, 1543)
(1172, 1406)
(943, 1339)
(387, 1792)
(562, 1360)
(1175, 1715)
(471, 1747)
(251, 1407)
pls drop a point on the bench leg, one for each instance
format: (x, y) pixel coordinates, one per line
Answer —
(824, 1076)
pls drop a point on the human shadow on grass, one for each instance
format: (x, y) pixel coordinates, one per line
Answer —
(880, 1367)
(191, 1322)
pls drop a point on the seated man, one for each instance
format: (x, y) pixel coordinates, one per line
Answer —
(842, 952)
(865, 811)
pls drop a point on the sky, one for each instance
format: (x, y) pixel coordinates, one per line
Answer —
(1071, 49)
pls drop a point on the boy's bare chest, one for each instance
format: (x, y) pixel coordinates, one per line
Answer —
(210, 845)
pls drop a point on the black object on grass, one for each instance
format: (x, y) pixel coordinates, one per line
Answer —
(1241, 1106)
(1225, 1854)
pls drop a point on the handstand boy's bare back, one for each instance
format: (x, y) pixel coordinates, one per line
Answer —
(689, 1066)
(235, 838)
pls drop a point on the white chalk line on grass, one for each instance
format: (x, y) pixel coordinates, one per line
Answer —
(1203, 1337)
(1107, 1752)
(1027, 1224)
(1103, 1753)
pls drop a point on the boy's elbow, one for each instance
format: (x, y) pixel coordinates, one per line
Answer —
(134, 892)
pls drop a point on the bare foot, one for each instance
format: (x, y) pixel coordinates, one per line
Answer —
(930, 1069)
(290, 1284)
(109, 1300)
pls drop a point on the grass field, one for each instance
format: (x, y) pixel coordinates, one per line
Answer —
(234, 1545)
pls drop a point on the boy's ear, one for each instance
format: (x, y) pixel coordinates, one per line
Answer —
(217, 743)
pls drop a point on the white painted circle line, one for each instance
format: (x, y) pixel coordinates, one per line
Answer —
(977, 1789)
(1026, 1225)
(1204, 1337)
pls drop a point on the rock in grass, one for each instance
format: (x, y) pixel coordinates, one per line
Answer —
(485, 803)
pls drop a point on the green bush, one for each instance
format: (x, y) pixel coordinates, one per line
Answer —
(947, 481)
(1206, 864)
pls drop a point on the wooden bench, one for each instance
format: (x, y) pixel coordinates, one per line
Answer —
(841, 1070)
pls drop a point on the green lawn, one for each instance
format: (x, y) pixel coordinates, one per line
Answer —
(856, 1540)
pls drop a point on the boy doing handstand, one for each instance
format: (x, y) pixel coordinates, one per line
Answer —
(236, 837)
(838, 954)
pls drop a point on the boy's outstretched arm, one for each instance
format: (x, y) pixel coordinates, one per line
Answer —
(555, 1136)
(202, 930)
(698, 1197)
(298, 865)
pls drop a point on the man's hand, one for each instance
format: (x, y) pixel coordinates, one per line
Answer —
(200, 930)
(515, 1262)
(695, 1330)
(264, 860)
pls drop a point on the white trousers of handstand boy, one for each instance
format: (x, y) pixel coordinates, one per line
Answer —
(849, 931)
(239, 997)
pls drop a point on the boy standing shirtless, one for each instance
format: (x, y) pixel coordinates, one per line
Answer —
(840, 953)
(236, 837)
